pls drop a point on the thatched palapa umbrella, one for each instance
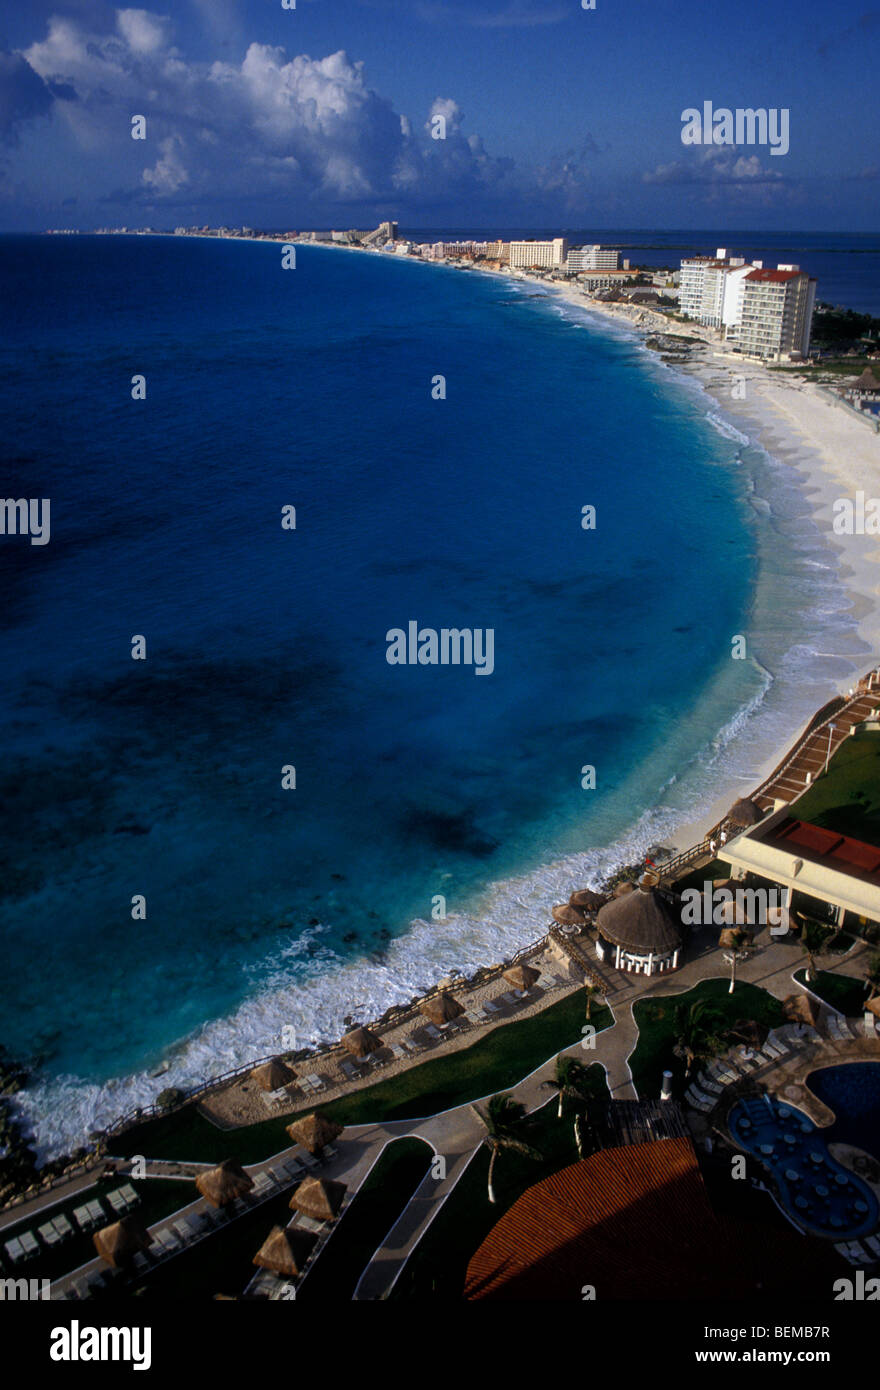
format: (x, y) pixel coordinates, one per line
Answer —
(314, 1132)
(873, 1005)
(271, 1076)
(621, 890)
(568, 916)
(360, 1042)
(221, 1185)
(285, 1251)
(587, 901)
(744, 813)
(522, 976)
(801, 1008)
(120, 1242)
(442, 1008)
(319, 1198)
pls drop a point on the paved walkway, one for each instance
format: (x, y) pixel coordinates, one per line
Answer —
(456, 1134)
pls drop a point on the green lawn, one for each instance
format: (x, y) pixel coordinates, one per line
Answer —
(438, 1265)
(380, 1201)
(847, 797)
(656, 1021)
(494, 1063)
(840, 991)
(159, 1198)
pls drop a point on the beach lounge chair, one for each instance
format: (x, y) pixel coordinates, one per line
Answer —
(315, 1082)
(293, 1168)
(48, 1235)
(263, 1184)
(330, 1151)
(873, 1245)
(709, 1086)
(82, 1218)
(29, 1244)
(130, 1195)
(491, 1006)
(117, 1201)
(14, 1250)
(97, 1213)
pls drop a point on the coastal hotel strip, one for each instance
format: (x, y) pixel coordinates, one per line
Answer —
(668, 1049)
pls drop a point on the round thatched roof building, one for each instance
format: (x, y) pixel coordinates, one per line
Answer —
(641, 931)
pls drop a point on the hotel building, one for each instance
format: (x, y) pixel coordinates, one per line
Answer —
(583, 258)
(776, 313)
(545, 255)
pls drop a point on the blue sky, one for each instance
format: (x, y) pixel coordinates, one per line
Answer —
(555, 116)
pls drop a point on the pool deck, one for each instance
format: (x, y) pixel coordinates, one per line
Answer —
(790, 1083)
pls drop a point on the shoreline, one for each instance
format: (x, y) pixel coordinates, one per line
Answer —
(779, 431)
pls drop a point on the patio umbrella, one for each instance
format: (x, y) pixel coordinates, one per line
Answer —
(522, 976)
(801, 1008)
(567, 916)
(360, 1042)
(744, 813)
(587, 900)
(285, 1251)
(314, 1132)
(441, 1008)
(120, 1242)
(319, 1198)
(873, 1006)
(221, 1185)
(271, 1076)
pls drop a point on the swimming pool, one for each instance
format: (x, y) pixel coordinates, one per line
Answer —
(820, 1195)
(852, 1091)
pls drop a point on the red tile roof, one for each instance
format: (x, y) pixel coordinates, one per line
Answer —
(776, 277)
(826, 847)
(636, 1223)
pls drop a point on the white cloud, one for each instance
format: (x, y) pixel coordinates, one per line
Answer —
(168, 173)
(143, 32)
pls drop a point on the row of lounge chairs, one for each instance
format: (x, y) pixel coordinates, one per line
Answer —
(838, 1028)
(179, 1232)
(704, 1093)
(90, 1216)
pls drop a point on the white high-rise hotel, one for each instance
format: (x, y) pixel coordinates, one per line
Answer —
(546, 254)
(765, 313)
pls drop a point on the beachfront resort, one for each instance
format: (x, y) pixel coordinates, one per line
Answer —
(648, 1102)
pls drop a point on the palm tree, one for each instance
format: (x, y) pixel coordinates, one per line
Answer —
(570, 1081)
(590, 991)
(698, 1032)
(814, 938)
(504, 1119)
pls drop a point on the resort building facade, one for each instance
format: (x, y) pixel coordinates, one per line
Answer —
(776, 313)
(546, 255)
(582, 258)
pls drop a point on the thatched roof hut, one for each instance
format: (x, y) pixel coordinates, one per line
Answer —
(319, 1198)
(567, 916)
(314, 1132)
(285, 1251)
(587, 901)
(641, 921)
(801, 1008)
(744, 813)
(873, 1005)
(441, 1008)
(360, 1042)
(867, 381)
(223, 1184)
(624, 887)
(522, 976)
(271, 1076)
(120, 1242)
(731, 938)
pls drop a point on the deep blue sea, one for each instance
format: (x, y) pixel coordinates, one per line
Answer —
(271, 908)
